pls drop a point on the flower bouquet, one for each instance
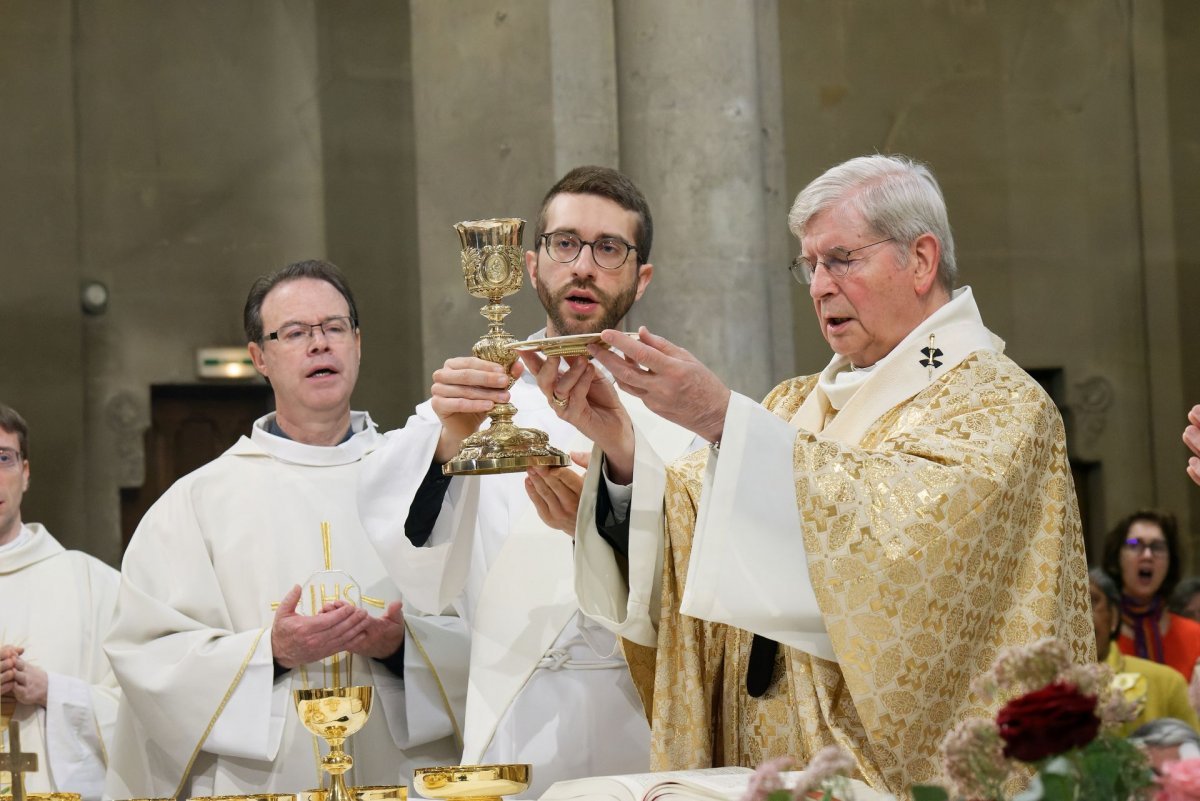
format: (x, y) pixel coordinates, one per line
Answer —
(1058, 718)
(823, 779)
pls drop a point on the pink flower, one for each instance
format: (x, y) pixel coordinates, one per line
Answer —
(1180, 781)
(766, 778)
(973, 758)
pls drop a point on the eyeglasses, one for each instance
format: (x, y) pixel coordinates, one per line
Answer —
(608, 252)
(9, 459)
(837, 261)
(293, 335)
(1137, 545)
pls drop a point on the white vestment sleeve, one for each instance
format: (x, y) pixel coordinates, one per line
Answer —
(251, 724)
(73, 744)
(627, 607)
(748, 567)
(433, 693)
(430, 577)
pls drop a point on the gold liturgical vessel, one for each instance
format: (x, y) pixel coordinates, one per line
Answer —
(492, 264)
(472, 782)
(333, 714)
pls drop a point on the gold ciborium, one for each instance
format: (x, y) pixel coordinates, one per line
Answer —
(333, 714)
(472, 782)
(492, 263)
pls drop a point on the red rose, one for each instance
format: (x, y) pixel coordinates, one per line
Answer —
(1049, 721)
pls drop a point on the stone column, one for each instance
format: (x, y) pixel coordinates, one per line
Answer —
(696, 137)
(506, 97)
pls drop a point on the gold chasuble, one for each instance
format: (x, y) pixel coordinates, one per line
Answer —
(944, 531)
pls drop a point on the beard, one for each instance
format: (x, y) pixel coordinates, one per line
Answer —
(613, 308)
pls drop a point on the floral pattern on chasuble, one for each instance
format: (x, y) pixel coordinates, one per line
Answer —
(950, 532)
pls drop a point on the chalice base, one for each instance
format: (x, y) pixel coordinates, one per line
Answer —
(504, 448)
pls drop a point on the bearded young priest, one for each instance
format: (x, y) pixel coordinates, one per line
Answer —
(213, 630)
(851, 553)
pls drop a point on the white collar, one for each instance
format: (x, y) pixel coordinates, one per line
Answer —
(957, 331)
(263, 443)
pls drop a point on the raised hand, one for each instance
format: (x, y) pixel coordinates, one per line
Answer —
(298, 639)
(670, 381)
(588, 401)
(464, 390)
(555, 493)
(1191, 437)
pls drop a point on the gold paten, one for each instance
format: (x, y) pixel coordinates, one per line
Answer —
(380, 793)
(46, 797)
(333, 714)
(251, 797)
(492, 266)
(472, 782)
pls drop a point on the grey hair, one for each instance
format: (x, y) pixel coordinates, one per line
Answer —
(897, 196)
(1165, 733)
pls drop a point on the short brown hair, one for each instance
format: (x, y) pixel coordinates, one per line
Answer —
(608, 183)
(14, 423)
(1116, 540)
(313, 268)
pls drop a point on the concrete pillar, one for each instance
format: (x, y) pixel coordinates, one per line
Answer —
(199, 169)
(692, 136)
(506, 98)
(39, 283)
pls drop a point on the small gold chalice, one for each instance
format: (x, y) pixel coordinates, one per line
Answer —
(472, 782)
(333, 714)
(492, 267)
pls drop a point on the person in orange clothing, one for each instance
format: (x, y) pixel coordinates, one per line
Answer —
(1156, 690)
(1142, 555)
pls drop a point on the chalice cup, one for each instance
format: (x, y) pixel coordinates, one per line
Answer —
(333, 714)
(492, 265)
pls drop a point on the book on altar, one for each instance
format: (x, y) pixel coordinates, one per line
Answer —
(709, 784)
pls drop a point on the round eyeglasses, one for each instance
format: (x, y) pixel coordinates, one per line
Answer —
(837, 261)
(609, 252)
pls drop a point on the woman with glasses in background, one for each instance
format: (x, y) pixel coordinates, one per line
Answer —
(1142, 555)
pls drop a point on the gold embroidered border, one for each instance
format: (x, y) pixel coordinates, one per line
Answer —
(438, 679)
(220, 708)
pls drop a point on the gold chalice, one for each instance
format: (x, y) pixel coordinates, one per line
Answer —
(472, 782)
(492, 266)
(333, 714)
(46, 797)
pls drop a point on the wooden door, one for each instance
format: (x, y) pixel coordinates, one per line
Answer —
(190, 425)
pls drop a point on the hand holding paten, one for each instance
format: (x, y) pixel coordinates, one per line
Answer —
(298, 639)
(383, 635)
(1191, 437)
(464, 390)
(672, 382)
(587, 400)
(555, 493)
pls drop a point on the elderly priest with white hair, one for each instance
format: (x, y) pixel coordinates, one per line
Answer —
(848, 555)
